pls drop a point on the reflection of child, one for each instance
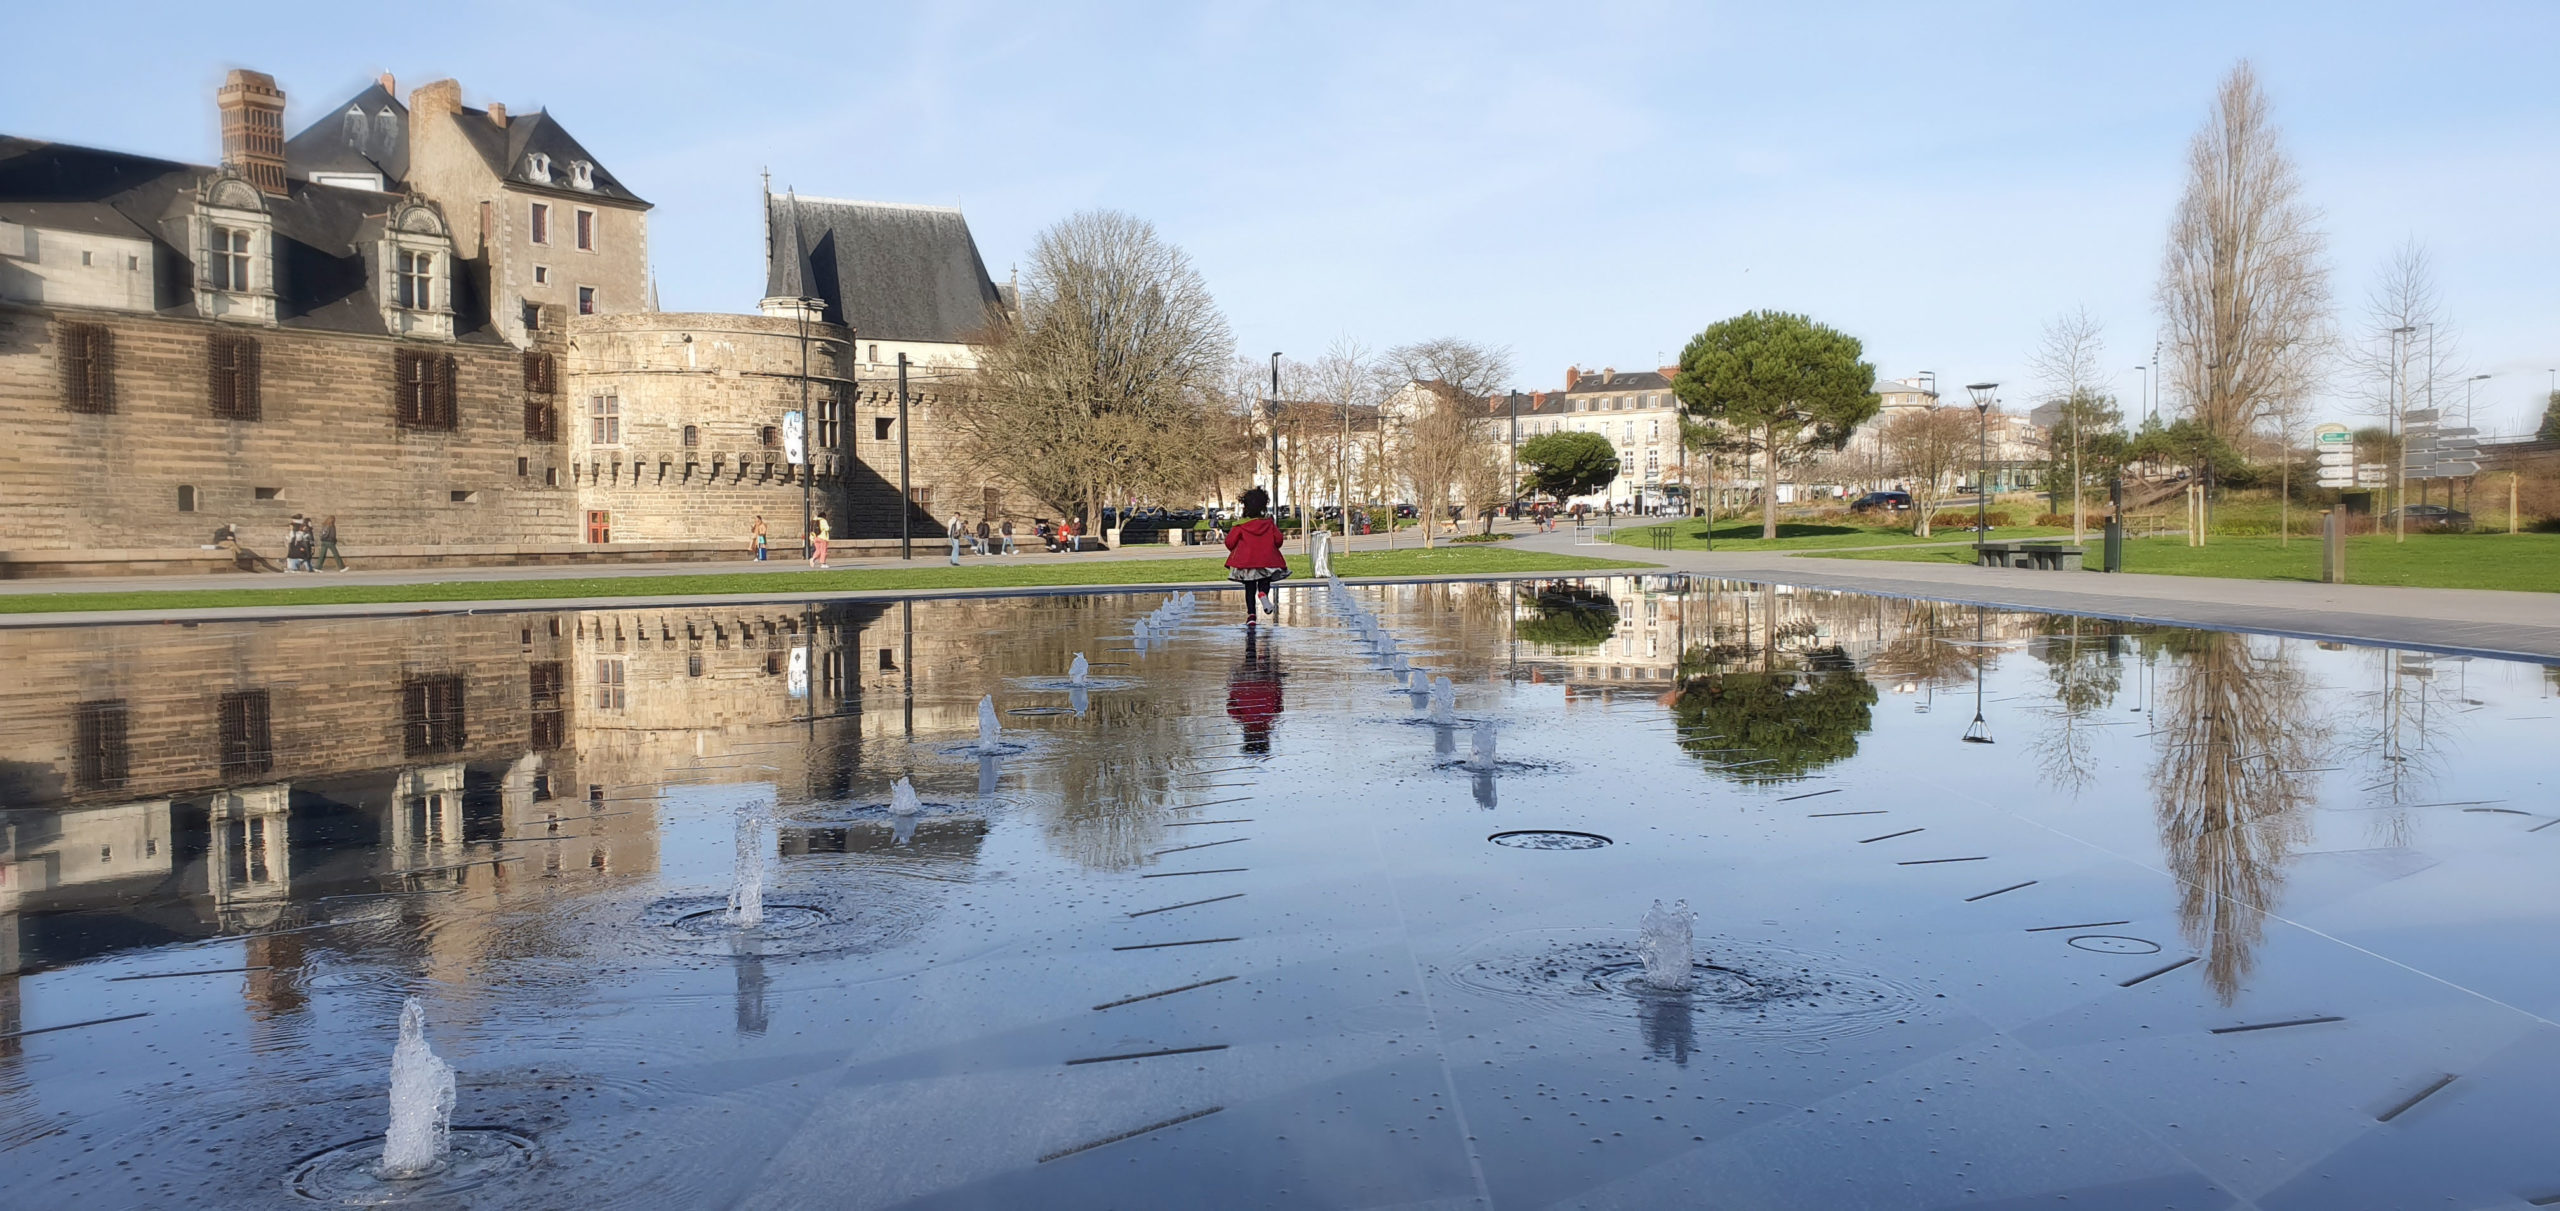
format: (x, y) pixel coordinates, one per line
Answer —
(1253, 697)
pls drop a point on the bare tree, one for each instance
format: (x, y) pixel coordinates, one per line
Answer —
(1926, 447)
(2391, 362)
(1445, 434)
(2070, 361)
(1343, 381)
(2243, 288)
(1104, 385)
(1465, 366)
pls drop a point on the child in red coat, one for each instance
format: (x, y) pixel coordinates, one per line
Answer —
(1253, 555)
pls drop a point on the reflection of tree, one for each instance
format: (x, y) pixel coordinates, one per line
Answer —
(1568, 617)
(1922, 652)
(2397, 742)
(2082, 660)
(1774, 725)
(2234, 735)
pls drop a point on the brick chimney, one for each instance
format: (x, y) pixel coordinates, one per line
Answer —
(498, 114)
(1608, 375)
(253, 128)
(1572, 375)
(388, 84)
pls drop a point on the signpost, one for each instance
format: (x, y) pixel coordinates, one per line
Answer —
(2334, 446)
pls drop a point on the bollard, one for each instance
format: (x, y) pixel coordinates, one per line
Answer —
(2333, 547)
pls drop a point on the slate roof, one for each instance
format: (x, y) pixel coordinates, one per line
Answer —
(322, 231)
(888, 270)
(1631, 380)
(335, 143)
(341, 141)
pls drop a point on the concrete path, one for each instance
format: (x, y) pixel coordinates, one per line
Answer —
(2464, 621)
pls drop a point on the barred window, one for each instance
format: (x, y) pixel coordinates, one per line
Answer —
(88, 368)
(610, 694)
(692, 436)
(422, 384)
(231, 364)
(248, 745)
(550, 717)
(541, 420)
(431, 715)
(100, 758)
(541, 374)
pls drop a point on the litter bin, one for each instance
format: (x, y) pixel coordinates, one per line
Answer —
(2115, 545)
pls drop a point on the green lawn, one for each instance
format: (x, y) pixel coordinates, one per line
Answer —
(2527, 562)
(1432, 562)
(1734, 534)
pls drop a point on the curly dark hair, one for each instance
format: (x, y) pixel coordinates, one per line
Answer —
(1255, 501)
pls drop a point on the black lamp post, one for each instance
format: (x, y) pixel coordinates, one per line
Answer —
(1275, 426)
(1982, 401)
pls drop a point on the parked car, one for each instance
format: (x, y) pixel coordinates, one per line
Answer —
(1891, 501)
(2429, 517)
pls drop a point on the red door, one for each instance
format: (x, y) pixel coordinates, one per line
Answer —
(599, 526)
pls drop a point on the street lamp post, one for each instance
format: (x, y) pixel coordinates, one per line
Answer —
(1274, 410)
(1982, 400)
(2400, 426)
(906, 490)
(1513, 507)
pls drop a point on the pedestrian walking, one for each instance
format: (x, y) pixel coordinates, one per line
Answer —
(985, 533)
(758, 531)
(329, 545)
(1008, 536)
(1253, 556)
(819, 533)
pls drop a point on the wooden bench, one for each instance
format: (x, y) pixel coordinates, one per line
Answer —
(2040, 556)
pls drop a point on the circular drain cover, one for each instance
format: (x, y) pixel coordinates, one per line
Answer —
(2116, 944)
(1548, 838)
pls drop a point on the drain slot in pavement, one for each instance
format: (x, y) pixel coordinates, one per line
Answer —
(2158, 972)
(1548, 838)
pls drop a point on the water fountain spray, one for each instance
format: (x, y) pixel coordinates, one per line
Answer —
(1444, 702)
(902, 799)
(1480, 748)
(746, 878)
(1078, 672)
(421, 1102)
(1667, 944)
(990, 732)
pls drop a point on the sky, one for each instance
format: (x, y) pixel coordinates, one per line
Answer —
(1585, 185)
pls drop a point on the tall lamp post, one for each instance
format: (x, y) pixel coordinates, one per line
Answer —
(1982, 400)
(1513, 507)
(1272, 406)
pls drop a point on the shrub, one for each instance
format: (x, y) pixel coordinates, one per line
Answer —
(1951, 519)
(1482, 538)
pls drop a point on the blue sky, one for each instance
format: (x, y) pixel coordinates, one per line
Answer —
(1586, 184)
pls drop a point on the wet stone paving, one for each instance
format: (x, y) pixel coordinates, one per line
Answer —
(1983, 908)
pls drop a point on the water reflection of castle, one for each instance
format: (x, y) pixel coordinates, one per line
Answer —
(177, 783)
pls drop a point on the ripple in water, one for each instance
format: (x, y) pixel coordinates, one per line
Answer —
(344, 1176)
(1738, 989)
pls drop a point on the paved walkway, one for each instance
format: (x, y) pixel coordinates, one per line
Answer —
(2467, 621)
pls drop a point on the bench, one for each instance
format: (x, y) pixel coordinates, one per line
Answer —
(2040, 556)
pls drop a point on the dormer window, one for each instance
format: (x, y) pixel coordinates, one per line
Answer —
(358, 127)
(387, 125)
(417, 280)
(582, 174)
(537, 168)
(231, 235)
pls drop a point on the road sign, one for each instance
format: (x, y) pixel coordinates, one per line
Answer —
(2419, 416)
(2456, 470)
(2336, 456)
(2333, 435)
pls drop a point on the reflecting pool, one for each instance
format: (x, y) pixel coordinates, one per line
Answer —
(1991, 908)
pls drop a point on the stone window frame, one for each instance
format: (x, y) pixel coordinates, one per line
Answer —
(232, 210)
(247, 734)
(582, 229)
(604, 420)
(582, 175)
(88, 353)
(538, 224)
(415, 229)
(612, 684)
(232, 376)
(537, 168)
(433, 714)
(586, 300)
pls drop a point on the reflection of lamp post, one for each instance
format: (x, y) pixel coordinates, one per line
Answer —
(1982, 399)
(1979, 732)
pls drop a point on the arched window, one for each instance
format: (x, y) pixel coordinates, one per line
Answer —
(357, 127)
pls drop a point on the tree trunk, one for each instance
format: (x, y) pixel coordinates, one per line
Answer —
(1769, 488)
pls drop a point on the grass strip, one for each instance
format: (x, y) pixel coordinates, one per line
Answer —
(1350, 565)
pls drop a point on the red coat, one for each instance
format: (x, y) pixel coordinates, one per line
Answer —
(1255, 544)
